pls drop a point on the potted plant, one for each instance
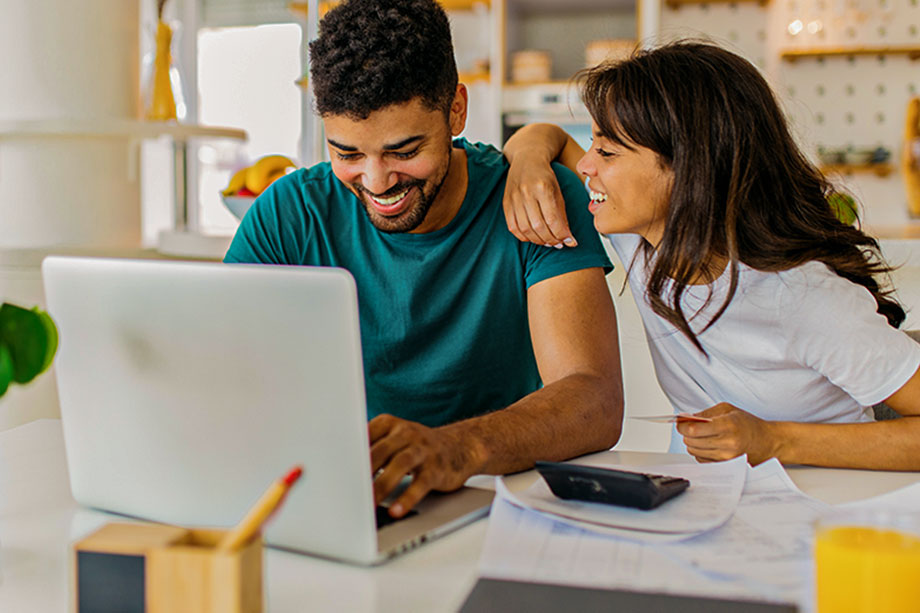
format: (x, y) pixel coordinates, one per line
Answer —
(28, 341)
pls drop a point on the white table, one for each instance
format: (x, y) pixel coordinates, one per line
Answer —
(39, 520)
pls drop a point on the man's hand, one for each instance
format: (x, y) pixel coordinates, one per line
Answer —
(435, 459)
(732, 432)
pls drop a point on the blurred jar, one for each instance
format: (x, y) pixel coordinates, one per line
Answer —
(531, 66)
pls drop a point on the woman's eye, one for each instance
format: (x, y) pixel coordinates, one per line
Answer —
(346, 157)
(604, 153)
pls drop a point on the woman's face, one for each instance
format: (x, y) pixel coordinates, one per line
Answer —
(630, 188)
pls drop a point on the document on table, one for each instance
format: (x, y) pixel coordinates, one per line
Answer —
(709, 501)
(762, 552)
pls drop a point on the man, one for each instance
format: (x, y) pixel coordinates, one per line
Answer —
(460, 322)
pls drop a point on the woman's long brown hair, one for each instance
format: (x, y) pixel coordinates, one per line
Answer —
(742, 190)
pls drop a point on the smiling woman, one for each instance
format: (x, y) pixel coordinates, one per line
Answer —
(764, 312)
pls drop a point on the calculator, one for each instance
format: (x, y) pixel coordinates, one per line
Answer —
(609, 486)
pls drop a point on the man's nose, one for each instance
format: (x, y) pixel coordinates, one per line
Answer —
(378, 178)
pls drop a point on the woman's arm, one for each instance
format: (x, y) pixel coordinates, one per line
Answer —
(886, 445)
(533, 204)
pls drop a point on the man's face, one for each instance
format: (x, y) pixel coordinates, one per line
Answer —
(395, 161)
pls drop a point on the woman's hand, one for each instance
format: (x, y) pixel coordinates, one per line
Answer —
(533, 203)
(732, 432)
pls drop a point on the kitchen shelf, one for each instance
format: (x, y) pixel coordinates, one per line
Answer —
(791, 55)
(113, 128)
(882, 170)
(473, 77)
(449, 5)
(676, 4)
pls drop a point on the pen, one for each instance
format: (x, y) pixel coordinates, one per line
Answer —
(259, 513)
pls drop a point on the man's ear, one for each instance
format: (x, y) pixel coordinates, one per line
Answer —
(458, 110)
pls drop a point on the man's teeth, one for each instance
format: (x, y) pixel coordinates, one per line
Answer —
(598, 196)
(390, 200)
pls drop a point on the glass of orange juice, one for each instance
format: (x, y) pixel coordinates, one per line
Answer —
(867, 561)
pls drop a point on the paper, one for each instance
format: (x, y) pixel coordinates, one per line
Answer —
(671, 418)
(710, 500)
(525, 545)
(762, 552)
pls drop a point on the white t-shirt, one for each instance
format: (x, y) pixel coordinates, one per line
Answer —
(800, 345)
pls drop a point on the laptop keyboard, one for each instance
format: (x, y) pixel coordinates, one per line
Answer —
(384, 518)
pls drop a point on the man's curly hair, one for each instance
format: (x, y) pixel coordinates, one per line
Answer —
(371, 54)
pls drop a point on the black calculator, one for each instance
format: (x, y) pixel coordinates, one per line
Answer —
(609, 486)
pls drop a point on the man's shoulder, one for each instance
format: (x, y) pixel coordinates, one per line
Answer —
(311, 188)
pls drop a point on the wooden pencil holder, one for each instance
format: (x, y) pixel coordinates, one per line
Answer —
(159, 569)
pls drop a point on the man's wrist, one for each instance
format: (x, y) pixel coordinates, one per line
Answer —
(468, 451)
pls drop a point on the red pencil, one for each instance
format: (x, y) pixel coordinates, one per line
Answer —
(259, 513)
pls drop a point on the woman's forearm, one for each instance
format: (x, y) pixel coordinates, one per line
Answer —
(885, 445)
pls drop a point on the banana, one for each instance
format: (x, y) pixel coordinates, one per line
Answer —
(237, 182)
(265, 170)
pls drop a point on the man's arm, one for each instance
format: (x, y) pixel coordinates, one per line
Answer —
(579, 409)
(533, 204)
(885, 445)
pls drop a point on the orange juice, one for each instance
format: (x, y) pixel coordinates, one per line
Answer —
(863, 568)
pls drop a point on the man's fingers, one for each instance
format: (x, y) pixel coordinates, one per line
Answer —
(417, 490)
(380, 426)
(401, 464)
(385, 447)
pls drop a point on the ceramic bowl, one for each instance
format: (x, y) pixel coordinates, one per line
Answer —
(238, 205)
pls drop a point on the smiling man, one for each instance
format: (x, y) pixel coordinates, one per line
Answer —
(481, 354)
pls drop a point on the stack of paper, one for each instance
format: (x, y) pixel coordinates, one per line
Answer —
(762, 551)
(708, 503)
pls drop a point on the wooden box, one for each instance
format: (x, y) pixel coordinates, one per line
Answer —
(158, 569)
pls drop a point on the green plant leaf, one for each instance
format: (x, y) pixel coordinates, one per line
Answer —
(25, 337)
(6, 369)
(844, 207)
(51, 336)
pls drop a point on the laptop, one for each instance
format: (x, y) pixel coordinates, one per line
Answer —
(187, 388)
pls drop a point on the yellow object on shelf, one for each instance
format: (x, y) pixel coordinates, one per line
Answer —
(162, 101)
(910, 157)
(863, 569)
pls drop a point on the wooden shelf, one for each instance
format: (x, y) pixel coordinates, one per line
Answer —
(882, 170)
(676, 4)
(474, 77)
(791, 55)
(449, 5)
(113, 128)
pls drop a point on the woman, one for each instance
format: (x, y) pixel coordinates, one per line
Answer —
(762, 309)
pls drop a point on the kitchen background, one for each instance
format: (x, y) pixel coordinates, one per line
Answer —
(81, 171)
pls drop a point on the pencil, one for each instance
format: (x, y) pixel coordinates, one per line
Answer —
(259, 513)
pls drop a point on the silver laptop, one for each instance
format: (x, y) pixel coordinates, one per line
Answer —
(187, 388)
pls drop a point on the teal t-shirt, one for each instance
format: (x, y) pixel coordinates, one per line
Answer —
(444, 327)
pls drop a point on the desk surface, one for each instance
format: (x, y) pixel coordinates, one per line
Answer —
(39, 520)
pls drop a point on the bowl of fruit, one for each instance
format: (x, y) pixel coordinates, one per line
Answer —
(247, 183)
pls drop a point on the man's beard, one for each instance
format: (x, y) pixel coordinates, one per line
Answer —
(408, 220)
(405, 221)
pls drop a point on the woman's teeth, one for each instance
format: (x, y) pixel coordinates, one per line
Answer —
(598, 197)
(390, 200)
